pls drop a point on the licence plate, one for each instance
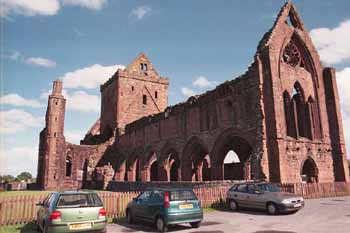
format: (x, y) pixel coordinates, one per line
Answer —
(185, 206)
(297, 205)
(79, 226)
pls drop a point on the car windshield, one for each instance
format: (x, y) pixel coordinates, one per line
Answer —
(269, 188)
(181, 195)
(78, 200)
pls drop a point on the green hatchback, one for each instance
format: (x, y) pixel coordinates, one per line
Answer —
(165, 207)
(71, 211)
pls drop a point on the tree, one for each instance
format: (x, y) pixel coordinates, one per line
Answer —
(7, 178)
(24, 176)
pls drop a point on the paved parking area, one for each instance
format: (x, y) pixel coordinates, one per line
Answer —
(329, 215)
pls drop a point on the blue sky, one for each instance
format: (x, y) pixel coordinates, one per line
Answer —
(197, 44)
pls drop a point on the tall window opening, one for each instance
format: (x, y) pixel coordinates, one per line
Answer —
(68, 167)
(156, 94)
(144, 99)
(289, 115)
(143, 66)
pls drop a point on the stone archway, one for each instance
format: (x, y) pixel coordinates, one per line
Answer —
(194, 156)
(154, 171)
(309, 171)
(169, 164)
(238, 170)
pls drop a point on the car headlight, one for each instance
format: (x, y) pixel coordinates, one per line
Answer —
(286, 201)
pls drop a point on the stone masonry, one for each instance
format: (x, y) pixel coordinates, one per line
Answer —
(281, 119)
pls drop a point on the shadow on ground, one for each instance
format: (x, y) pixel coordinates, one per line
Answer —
(148, 227)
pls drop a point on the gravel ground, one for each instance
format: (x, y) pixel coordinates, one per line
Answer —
(328, 215)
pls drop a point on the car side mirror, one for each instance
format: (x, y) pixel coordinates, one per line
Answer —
(39, 204)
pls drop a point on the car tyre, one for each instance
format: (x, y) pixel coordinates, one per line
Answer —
(160, 224)
(271, 208)
(195, 224)
(233, 205)
(129, 217)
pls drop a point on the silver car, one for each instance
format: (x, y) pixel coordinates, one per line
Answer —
(264, 196)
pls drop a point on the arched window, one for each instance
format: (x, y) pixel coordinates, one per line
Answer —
(68, 167)
(315, 127)
(300, 113)
(289, 115)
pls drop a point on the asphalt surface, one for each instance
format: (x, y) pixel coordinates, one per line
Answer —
(328, 215)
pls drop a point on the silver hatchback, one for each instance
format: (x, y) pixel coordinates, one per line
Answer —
(264, 196)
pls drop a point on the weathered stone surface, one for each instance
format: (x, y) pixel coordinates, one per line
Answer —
(281, 118)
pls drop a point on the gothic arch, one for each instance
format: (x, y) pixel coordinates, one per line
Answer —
(133, 167)
(150, 166)
(193, 155)
(232, 140)
(170, 163)
(309, 170)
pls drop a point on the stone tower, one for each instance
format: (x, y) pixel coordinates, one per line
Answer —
(132, 93)
(52, 141)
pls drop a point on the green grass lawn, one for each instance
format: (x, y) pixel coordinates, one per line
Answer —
(22, 193)
(23, 228)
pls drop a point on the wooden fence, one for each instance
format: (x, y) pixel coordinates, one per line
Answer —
(22, 208)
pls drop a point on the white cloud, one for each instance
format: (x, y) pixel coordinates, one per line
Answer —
(29, 8)
(15, 160)
(44, 7)
(140, 12)
(89, 77)
(202, 82)
(82, 101)
(333, 44)
(343, 83)
(90, 4)
(73, 136)
(187, 92)
(36, 61)
(17, 100)
(39, 61)
(15, 120)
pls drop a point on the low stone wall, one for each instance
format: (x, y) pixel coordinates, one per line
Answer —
(124, 186)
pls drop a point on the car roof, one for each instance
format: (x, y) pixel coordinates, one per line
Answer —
(75, 192)
(168, 189)
(252, 182)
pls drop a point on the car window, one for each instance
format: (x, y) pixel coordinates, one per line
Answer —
(241, 188)
(157, 196)
(233, 188)
(144, 196)
(181, 195)
(269, 188)
(251, 188)
(78, 200)
(46, 200)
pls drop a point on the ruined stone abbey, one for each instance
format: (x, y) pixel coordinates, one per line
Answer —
(281, 119)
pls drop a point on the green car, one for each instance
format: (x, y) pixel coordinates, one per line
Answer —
(71, 211)
(165, 207)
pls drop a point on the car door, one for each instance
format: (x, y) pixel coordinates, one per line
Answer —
(42, 211)
(239, 195)
(254, 197)
(139, 210)
(155, 205)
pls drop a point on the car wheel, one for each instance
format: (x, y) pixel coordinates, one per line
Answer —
(271, 208)
(195, 224)
(233, 205)
(160, 224)
(129, 217)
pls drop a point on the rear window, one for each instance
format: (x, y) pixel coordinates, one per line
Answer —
(182, 195)
(78, 200)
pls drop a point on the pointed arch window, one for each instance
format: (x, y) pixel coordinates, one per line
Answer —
(300, 115)
(68, 166)
(289, 115)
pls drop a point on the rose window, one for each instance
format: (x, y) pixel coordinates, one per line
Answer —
(291, 55)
